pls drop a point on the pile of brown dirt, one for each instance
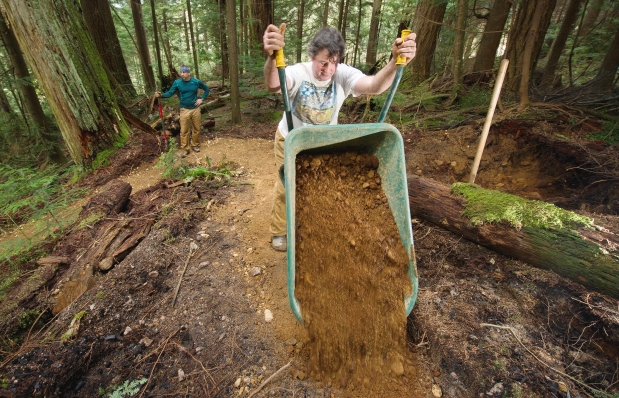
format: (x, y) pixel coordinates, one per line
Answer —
(351, 270)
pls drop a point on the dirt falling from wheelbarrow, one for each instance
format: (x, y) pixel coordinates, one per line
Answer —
(351, 272)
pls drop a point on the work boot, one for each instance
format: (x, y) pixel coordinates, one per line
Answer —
(279, 243)
(184, 153)
(196, 149)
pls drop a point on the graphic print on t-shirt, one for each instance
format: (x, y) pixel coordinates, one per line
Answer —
(314, 105)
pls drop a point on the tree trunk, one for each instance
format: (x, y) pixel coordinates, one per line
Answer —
(143, 52)
(262, 11)
(166, 45)
(186, 30)
(592, 16)
(491, 37)
(370, 57)
(233, 58)
(5, 106)
(463, 8)
(428, 19)
(559, 43)
(300, 20)
(519, 37)
(605, 77)
(584, 256)
(157, 47)
(345, 20)
(33, 109)
(527, 59)
(225, 60)
(75, 84)
(100, 24)
(193, 41)
(325, 14)
(355, 59)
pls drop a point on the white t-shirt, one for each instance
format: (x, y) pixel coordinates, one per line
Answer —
(316, 102)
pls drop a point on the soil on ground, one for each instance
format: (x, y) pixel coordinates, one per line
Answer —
(183, 312)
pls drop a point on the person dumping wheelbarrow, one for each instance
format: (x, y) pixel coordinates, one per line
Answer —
(316, 91)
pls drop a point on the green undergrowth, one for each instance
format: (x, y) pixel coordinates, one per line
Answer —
(34, 207)
(175, 167)
(490, 206)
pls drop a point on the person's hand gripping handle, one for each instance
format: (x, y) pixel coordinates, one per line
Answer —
(280, 63)
(400, 63)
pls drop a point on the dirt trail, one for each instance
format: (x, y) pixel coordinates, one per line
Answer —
(216, 342)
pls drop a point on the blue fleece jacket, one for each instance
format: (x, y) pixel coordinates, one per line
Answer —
(187, 91)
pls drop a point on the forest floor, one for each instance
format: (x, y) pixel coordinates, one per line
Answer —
(483, 324)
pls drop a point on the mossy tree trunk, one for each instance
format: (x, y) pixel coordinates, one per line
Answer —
(69, 70)
(30, 100)
(585, 256)
(100, 24)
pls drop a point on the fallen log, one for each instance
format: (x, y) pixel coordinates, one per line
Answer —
(588, 256)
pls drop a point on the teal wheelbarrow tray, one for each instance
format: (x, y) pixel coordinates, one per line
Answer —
(379, 139)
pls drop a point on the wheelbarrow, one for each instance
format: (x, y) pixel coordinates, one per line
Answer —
(379, 139)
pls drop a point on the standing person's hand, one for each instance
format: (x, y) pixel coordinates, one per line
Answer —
(406, 48)
(273, 39)
(198, 102)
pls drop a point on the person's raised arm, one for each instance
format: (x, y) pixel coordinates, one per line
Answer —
(272, 40)
(381, 81)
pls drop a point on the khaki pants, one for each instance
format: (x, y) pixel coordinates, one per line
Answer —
(190, 118)
(278, 211)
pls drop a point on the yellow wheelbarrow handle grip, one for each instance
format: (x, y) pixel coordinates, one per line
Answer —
(280, 61)
(402, 60)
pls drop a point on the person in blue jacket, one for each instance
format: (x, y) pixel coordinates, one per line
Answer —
(187, 89)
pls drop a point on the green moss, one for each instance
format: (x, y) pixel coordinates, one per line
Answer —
(490, 206)
(90, 220)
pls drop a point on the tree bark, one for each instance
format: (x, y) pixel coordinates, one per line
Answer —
(370, 58)
(559, 43)
(225, 60)
(592, 16)
(588, 257)
(143, 52)
(354, 57)
(156, 33)
(519, 37)
(194, 51)
(491, 37)
(233, 58)
(528, 54)
(605, 77)
(100, 24)
(5, 106)
(458, 60)
(300, 20)
(75, 84)
(262, 11)
(325, 14)
(427, 24)
(30, 100)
